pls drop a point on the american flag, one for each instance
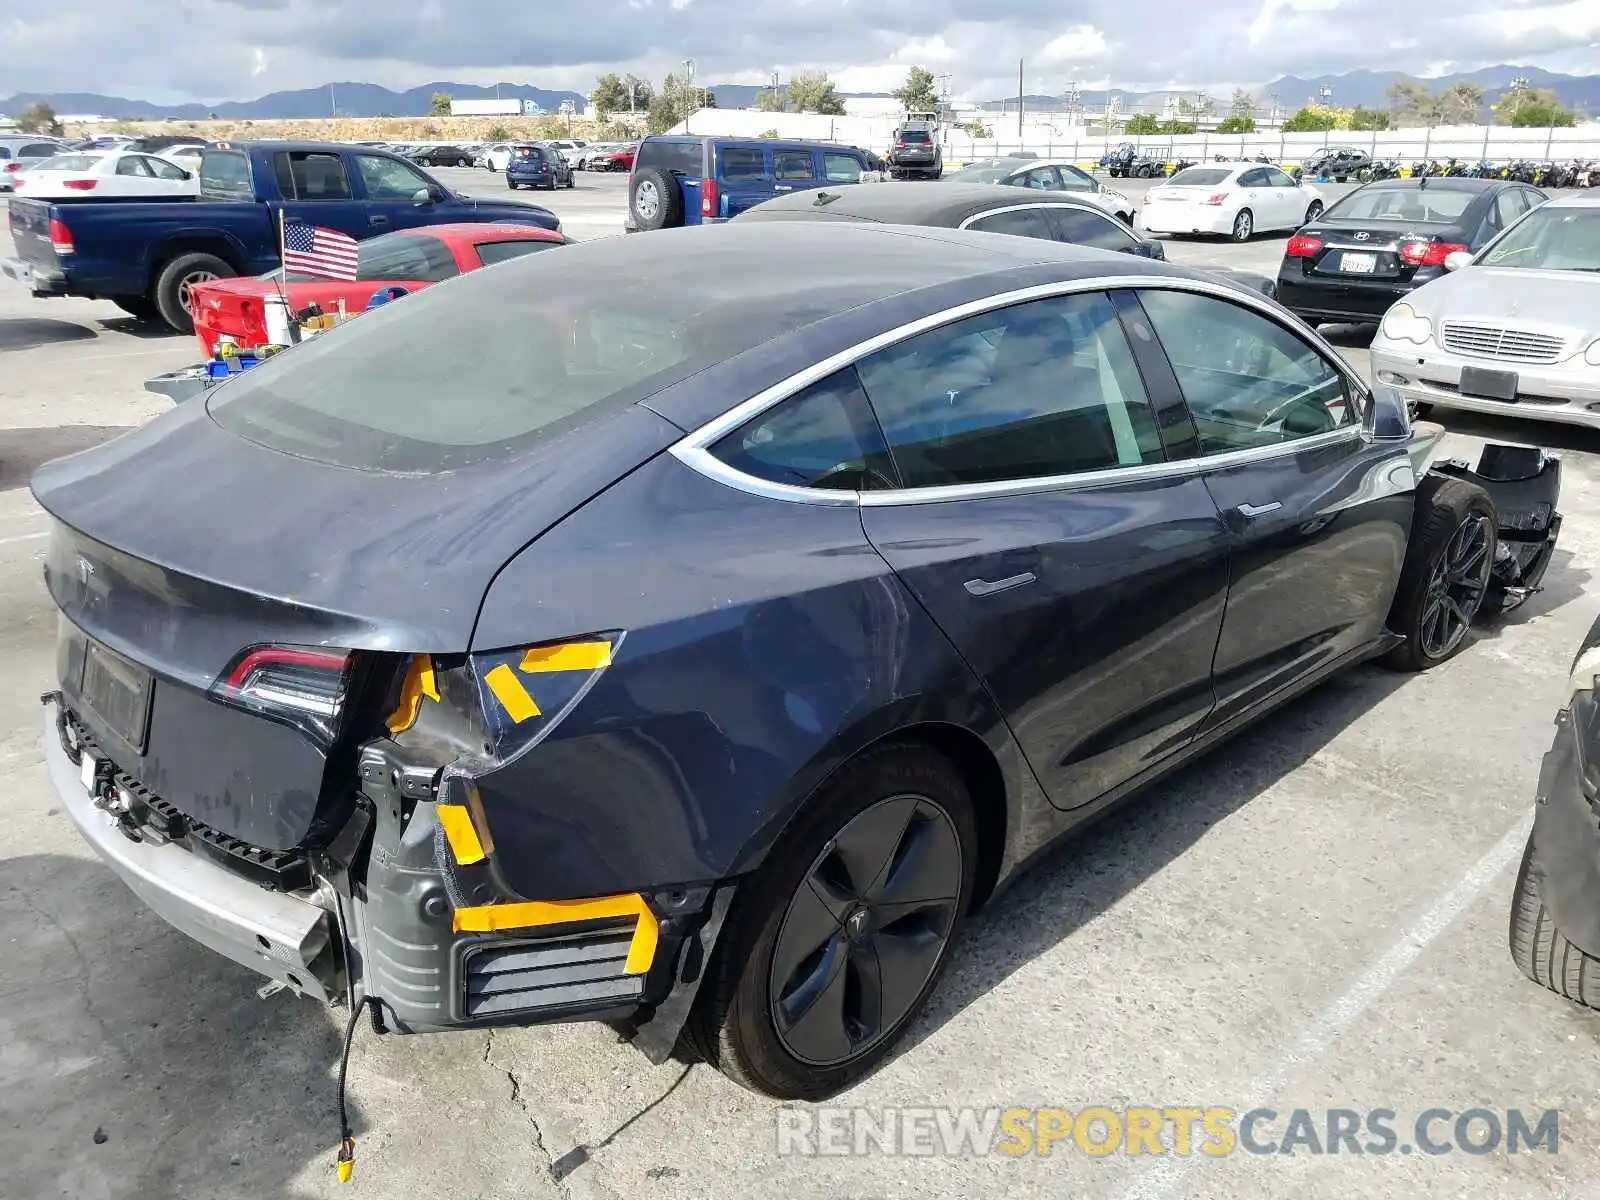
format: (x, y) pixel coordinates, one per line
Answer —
(314, 250)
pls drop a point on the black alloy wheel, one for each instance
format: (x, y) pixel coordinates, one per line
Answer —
(1457, 585)
(865, 931)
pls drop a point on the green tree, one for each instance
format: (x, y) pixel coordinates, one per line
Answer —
(667, 106)
(1244, 105)
(1142, 123)
(1534, 108)
(39, 118)
(813, 92)
(1310, 120)
(498, 133)
(1368, 118)
(1461, 104)
(918, 93)
(608, 95)
(1176, 126)
(1236, 124)
(439, 106)
(1411, 103)
(768, 133)
(766, 101)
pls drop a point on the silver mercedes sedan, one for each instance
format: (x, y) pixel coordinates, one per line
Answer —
(1514, 329)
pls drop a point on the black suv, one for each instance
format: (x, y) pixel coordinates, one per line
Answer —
(915, 151)
(1340, 163)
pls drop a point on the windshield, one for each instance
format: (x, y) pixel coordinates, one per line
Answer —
(68, 162)
(1401, 204)
(980, 174)
(1201, 177)
(1549, 239)
(226, 174)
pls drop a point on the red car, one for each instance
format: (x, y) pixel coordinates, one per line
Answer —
(622, 160)
(408, 258)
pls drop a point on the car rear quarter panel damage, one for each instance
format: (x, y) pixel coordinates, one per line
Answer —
(766, 642)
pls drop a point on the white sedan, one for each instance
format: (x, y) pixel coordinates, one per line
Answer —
(1233, 199)
(123, 175)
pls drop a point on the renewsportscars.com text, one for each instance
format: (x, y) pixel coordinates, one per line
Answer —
(1167, 1130)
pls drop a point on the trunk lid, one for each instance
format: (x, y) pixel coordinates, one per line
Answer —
(179, 545)
(1369, 250)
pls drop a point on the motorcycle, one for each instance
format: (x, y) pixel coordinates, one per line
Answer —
(1183, 164)
(1587, 174)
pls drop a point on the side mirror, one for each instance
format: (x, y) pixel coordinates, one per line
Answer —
(1149, 248)
(432, 194)
(1387, 419)
(1457, 259)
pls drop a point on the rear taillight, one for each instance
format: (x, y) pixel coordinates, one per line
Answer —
(13, 167)
(1302, 245)
(253, 321)
(1418, 253)
(80, 185)
(708, 197)
(302, 686)
(1218, 198)
(60, 236)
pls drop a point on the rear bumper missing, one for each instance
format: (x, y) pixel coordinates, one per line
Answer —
(391, 914)
(290, 938)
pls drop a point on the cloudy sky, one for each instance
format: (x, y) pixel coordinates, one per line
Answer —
(211, 50)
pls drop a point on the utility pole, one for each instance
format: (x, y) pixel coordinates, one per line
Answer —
(333, 107)
(1019, 103)
(775, 106)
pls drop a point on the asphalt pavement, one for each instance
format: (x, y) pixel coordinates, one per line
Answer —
(1312, 917)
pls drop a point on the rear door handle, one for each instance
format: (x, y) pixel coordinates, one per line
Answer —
(1258, 510)
(377, 220)
(986, 587)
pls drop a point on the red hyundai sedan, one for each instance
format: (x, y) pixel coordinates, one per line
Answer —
(408, 258)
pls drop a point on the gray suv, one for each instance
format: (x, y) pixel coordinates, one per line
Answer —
(21, 153)
(915, 152)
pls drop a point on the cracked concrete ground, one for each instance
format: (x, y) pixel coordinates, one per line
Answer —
(1314, 916)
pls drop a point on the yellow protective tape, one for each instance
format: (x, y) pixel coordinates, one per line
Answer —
(508, 689)
(420, 681)
(572, 656)
(461, 833)
(498, 918)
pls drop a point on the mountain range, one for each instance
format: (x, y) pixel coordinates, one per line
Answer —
(1581, 93)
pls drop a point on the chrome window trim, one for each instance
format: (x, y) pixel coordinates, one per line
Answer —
(1031, 205)
(693, 449)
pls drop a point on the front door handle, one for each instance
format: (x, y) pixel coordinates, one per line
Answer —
(782, 187)
(1258, 510)
(986, 587)
(377, 220)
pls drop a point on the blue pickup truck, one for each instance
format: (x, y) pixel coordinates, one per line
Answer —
(145, 256)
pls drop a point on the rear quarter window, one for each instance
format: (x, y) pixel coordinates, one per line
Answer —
(741, 162)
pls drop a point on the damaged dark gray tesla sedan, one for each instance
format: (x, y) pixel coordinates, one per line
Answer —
(689, 631)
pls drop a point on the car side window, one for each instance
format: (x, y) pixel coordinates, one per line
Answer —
(135, 165)
(312, 175)
(1253, 178)
(794, 165)
(490, 253)
(1023, 222)
(40, 150)
(389, 179)
(821, 437)
(1037, 390)
(739, 162)
(1510, 205)
(162, 169)
(1248, 381)
(1276, 178)
(1084, 228)
(841, 168)
(1042, 179)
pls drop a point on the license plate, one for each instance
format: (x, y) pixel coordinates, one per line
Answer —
(1490, 385)
(1358, 264)
(118, 692)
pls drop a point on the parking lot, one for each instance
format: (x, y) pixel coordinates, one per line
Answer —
(1313, 917)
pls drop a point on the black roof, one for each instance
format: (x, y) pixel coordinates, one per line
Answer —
(908, 203)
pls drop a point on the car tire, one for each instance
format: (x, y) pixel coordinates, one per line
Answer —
(1538, 947)
(1244, 226)
(511, 185)
(141, 307)
(572, 180)
(654, 199)
(171, 290)
(805, 916)
(1454, 531)
(1313, 212)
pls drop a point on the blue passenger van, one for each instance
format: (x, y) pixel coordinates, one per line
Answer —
(683, 179)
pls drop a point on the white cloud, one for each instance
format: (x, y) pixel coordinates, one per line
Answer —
(1079, 42)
